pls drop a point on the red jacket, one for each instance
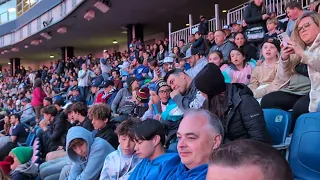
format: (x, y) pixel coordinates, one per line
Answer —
(37, 97)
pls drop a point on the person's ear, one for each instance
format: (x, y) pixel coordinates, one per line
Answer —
(156, 140)
(217, 141)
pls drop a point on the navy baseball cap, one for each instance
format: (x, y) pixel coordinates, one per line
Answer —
(106, 84)
(95, 82)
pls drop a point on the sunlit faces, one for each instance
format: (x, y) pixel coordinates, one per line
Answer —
(308, 30)
(269, 51)
(244, 172)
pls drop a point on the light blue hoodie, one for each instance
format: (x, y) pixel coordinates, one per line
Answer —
(147, 169)
(174, 169)
(88, 167)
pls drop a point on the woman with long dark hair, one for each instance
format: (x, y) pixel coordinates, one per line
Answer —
(234, 104)
(37, 97)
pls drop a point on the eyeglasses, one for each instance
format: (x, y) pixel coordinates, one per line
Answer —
(164, 91)
(304, 27)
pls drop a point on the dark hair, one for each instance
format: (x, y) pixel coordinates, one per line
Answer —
(238, 34)
(251, 152)
(115, 70)
(293, 4)
(217, 52)
(176, 47)
(76, 142)
(148, 129)
(173, 71)
(126, 128)
(153, 62)
(80, 107)
(100, 112)
(68, 109)
(17, 116)
(48, 99)
(182, 40)
(51, 109)
(217, 104)
(37, 83)
(241, 51)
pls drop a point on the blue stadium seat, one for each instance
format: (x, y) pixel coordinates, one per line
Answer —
(304, 156)
(30, 139)
(278, 125)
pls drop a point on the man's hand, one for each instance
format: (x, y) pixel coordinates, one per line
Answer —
(43, 124)
(174, 93)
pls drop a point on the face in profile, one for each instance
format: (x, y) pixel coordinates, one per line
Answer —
(126, 144)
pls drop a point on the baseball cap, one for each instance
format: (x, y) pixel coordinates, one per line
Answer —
(192, 52)
(75, 88)
(59, 102)
(106, 84)
(95, 82)
(226, 27)
(239, 22)
(168, 60)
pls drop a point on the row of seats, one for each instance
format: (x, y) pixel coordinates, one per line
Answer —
(302, 148)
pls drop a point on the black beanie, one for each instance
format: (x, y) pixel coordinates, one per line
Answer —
(210, 80)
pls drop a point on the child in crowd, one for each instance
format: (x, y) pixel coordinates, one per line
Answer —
(22, 168)
(239, 71)
(150, 139)
(120, 163)
(216, 58)
(272, 26)
(86, 153)
(263, 75)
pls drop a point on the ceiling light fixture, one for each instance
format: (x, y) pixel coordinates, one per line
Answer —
(9, 63)
(26, 46)
(51, 56)
(187, 24)
(124, 32)
(12, 10)
(224, 11)
(115, 42)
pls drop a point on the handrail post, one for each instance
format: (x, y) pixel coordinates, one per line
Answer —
(190, 23)
(216, 14)
(228, 18)
(170, 39)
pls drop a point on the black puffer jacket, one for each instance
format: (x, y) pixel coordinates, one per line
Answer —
(107, 133)
(253, 16)
(244, 118)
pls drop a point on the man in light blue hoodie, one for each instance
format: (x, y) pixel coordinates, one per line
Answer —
(86, 153)
(199, 134)
(119, 164)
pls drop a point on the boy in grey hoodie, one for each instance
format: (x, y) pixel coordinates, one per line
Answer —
(87, 153)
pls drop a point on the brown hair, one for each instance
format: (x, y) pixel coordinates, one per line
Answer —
(251, 152)
(126, 128)
(293, 4)
(76, 142)
(274, 21)
(7, 126)
(99, 112)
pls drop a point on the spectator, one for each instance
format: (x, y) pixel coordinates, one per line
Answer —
(197, 61)
(167, 64)
(37, 98)
(272, 26)
(95, 90)
(176, 53)
(83, 84)
(250, 160)
(100, 114)
(104, 64)
(150, 139)
(255, 17)
(250, 51)
(183, 47)
(6, 126)
(162, 53)
(108, 94)
(76, 96)
(244, 118)
(55, 129)
(222, 44)
(199, 44)
(22, 168)
(210, 41)
(296, 68)
(28, 112)
(184, 91)
(195, 145)
(203, 26)
(239, 71)
(216, 58)
(261, 82)
(47, 101)
(124, 94)
(87, 153)
(294, 11)
(156, 72)
(155, 51)
(236, 27)
(79, 114)
(116, 79)
(227, 30)
(140, 71)
(124, 157)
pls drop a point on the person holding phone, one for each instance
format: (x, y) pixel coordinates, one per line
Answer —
(299, 70)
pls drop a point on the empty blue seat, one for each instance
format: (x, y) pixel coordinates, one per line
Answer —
(30, 139)
(278, 124)
(304, 156)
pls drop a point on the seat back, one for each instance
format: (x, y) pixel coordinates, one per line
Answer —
(278, 124)
(30, 139)
(304, 157)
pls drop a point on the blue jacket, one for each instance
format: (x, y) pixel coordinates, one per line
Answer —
(88, 167)
(146, 169)
(175, 170)
(139, 70)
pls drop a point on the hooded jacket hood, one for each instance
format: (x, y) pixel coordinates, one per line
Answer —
(28, 169)
(82, 133)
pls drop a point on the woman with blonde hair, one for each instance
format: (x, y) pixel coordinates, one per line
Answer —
(299, 70)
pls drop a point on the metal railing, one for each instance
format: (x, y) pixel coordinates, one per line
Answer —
(272, 6)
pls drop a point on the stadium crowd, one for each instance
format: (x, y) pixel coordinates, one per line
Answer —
(190, 112)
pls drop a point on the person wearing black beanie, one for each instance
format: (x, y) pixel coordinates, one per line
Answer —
(234, 104)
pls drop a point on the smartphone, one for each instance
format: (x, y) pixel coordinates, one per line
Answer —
(284, 38)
